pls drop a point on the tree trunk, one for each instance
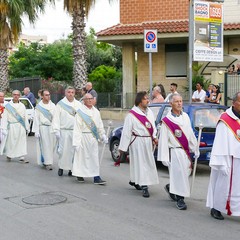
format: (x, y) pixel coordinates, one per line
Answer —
(79, 48)
(4, 84)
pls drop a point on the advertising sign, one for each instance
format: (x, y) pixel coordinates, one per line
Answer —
(150, 41)
(208, 32)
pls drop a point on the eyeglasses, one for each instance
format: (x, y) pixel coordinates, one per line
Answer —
(88, 98)
(16, 94)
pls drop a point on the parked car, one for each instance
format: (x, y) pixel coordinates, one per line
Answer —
(205, 114)
(29, 110)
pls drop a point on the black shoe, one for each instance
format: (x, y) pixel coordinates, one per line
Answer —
(60, 172)
(145, 193)
(80, 179)
(99, 181)
(69, 173)
(137, 186)
(171, 195)
(216, 214)
(181, 205)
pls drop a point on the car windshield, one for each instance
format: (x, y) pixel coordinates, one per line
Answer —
(208, 118)
(155, 110)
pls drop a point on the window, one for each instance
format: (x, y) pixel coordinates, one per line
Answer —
(176, 60)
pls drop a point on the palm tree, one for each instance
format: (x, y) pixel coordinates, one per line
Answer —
(79, 9)
(11, 14)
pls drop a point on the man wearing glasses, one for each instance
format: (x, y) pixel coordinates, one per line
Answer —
(14, 127)
(87, 132)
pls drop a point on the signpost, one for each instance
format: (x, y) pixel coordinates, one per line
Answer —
(150, 46)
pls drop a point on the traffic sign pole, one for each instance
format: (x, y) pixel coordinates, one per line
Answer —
(150, 46)
(150, 73)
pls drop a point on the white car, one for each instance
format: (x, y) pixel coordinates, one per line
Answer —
(29, 109)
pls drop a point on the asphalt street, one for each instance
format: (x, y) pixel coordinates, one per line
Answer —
(38, 204)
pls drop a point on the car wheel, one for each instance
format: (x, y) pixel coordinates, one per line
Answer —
(114, 150)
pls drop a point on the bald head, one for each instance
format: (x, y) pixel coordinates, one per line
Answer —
(89, 86)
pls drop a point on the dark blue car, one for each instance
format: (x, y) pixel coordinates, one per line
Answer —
(200, 113)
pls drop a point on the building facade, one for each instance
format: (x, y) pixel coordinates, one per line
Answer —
(170, 63)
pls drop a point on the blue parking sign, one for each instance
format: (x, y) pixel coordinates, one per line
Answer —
(150, 40)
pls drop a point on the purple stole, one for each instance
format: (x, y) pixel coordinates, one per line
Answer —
(178, 134)
(145, 122)
(232, 124)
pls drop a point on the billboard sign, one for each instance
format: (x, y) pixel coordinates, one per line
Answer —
(208, 32)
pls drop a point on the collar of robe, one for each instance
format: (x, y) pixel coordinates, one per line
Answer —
(236, 113)
(176, 115)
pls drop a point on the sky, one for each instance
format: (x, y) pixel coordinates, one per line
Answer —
(56, 23)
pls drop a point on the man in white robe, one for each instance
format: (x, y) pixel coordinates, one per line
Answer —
(2, 136)
(175, 143)
(87, 132)
(224, 186)
(63, 122)
(139, 135)
(15, 127)
(42, 127)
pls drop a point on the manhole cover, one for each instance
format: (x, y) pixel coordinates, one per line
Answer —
(44, 199)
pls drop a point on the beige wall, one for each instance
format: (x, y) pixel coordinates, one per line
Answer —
(231, 11)
(158, 70)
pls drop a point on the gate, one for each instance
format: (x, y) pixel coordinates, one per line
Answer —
(231, 86)
(34, 83)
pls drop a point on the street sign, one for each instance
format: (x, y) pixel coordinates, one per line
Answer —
(150, 41)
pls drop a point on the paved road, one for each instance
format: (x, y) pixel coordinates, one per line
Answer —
(115, 211)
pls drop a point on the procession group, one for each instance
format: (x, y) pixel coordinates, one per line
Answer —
(71, 128)
(75, 128)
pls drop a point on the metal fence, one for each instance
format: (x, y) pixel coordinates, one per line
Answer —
(34, 83)
(231, 86)
(113, 100)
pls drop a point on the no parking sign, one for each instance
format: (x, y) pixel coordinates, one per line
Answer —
(150, 41)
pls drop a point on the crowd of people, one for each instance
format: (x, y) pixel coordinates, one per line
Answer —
(211, 95)
(74, 128)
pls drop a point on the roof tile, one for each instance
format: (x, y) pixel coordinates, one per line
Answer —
(162, 27)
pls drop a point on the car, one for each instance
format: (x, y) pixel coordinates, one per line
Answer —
(199, 113)
(29, 110)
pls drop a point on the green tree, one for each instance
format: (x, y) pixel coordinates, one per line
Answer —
(79, 9)
(99, 53)
(48, 61)
(106, 79)
(11, 14)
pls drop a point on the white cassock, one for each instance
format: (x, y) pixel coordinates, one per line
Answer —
(63, 121)
(2, 137)
(86, 159)
(47, 141)
(16, 140)
(225, 151)
(180, 165)
(143, 169)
